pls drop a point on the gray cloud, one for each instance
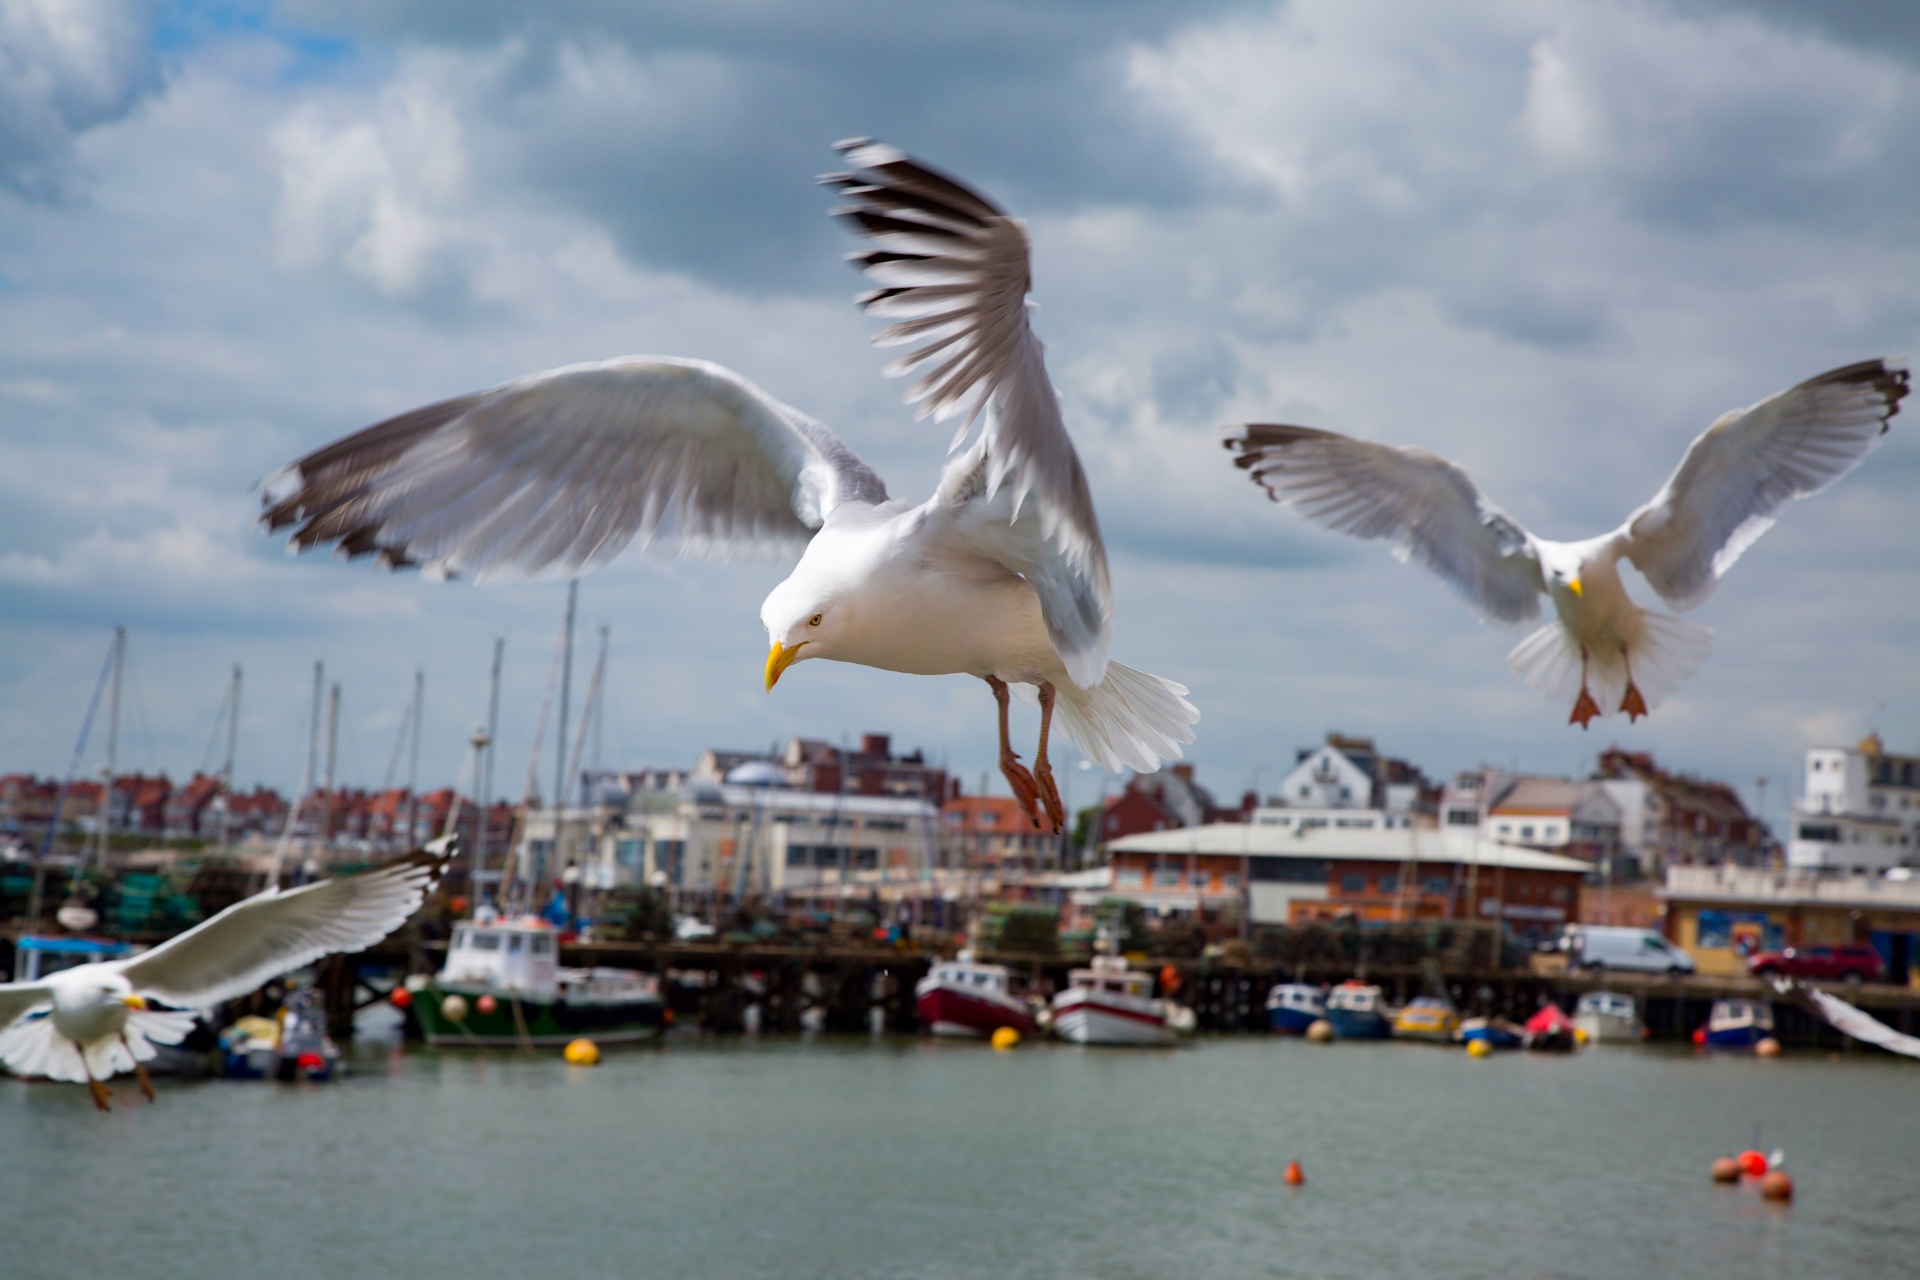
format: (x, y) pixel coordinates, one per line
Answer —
(67, 66)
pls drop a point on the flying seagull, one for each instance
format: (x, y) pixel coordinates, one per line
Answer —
(93, 1021)
(1729, 489)
(1000, 574)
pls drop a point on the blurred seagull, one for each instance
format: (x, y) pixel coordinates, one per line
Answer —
(93, 1021)
(1001, 574)
(1728, 490)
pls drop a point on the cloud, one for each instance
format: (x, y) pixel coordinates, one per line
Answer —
(66, 66)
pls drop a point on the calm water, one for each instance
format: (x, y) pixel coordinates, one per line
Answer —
(905, 1159)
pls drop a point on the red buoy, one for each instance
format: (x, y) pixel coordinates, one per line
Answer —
(400, 997)
(486, 1004)
(1699, 1037)
(1753, 1164)
(1777, 1186)
(1295, 1176)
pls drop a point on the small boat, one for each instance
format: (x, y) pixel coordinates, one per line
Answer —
(1292, 1007)
(1357, 1012)
(292, 1045)
(1426, 1018)
(1608, 1017)
(1738, 1024)
(1550, 1030)
(1110, 1004)
(964, 998)
(503, 986)
(1497, 1032)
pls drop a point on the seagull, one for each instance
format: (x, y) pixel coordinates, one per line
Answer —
(1729, 489)
(93, 1021)
(1000, 574)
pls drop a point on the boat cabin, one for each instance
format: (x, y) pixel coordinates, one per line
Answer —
(1110, 974)
(965, 975)
(510, 955)
(1298, 996)
(1737, 1015)
(1605, 1004)
(1355, 997)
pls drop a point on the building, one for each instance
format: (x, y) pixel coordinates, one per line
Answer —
(1721, 914)
(1164, 800)
(810, 764)
(1859, 810)
(1350, 773)
(1674, 819)
(1387, 869)
(1578, 819)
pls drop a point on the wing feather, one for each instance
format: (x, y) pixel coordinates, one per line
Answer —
(270, 933)
(1429, 506)
(1741, 471)
(18, 999)
(953, 272)
(563, 469)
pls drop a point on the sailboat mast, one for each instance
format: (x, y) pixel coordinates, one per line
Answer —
(226, 769)
(413, 767)
(566, 696)
(333, 750)
(483, 777)
(113, 746)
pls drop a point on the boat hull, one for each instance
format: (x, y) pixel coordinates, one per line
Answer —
(945, 1011)
(1353, 1024)
(1737, 1037)
(538, 1023)
(1292, 1022)
(1086, 1019)
(1607, 1028)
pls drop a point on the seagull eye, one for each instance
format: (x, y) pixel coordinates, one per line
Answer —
(814, 621)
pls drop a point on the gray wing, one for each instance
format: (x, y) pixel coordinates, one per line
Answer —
(264, 936)
(18, 999)
(1429, 506)
(563, 469)
(1855, 1022)
(954, 274)
(1743, 469)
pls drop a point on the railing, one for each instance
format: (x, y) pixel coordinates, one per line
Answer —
(1756, 884)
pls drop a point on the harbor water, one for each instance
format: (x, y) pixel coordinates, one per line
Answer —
(895, 1159)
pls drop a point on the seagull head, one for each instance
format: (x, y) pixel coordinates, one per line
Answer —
(1562, 566)
(804, 616)
(99, 987)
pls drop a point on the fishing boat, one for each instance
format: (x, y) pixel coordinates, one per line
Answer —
(503, 986)
(1292, 1007)
(292, 1045)
(963, 998)
(1738, 1024)
(1426, 1018)
(1606, 1017)
(1497, 1032)
(1110, 1004)
(1357, 1012)
(1550, 1030)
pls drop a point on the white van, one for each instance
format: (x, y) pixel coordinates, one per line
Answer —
(1613, 947)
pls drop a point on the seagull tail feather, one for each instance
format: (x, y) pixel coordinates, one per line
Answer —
(1130, 720)
(1664, 656)
(32, 1050)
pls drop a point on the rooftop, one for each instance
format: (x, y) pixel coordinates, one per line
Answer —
(1423, 844)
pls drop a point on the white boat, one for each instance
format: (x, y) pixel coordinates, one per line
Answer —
(965, 998)
(1608, 1017)
(1110, 1004)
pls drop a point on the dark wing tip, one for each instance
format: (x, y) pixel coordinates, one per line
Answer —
(1888, 379)
(1256, 438)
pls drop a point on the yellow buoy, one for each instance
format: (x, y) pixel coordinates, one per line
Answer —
(1478, 1049)
(455, 1007)
(1005, 1038)
(1320, 1031)
(583, 1053)
(1580, 1035)
(1767, 1048)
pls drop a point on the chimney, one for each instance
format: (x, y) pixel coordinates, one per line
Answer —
(877, 745)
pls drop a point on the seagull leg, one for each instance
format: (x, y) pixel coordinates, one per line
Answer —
(101, 1094)
(139, 1070)
(1584, 707)
(1043, 768)
(1633, 704)
(1025, 789)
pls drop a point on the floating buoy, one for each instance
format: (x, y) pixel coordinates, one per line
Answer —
(1005, 1038)
(1726, 1169)
(1580, 1035)
(310, 1062)
(1699, 1037)
(1753, 1164)
(455, 1007)
(400, 997)
(1767, 1048)
(583, 1053)
(1479, 1049)
(1321, 1032)
(1294, 1176)
(1777, 1186)
(486, 1005)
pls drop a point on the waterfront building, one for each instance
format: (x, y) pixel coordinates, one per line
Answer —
(1579, 819)
(1722, 914)
(1167, 798)
(1675, 819)
(812, 764)
(1859, 810)
(1349, 772)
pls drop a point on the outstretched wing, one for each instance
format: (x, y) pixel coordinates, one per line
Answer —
(18, 999)
(954, 275)
(1429, 506)
(563, 469)
(1856, 1022)
(268, 934)
(1743, 469)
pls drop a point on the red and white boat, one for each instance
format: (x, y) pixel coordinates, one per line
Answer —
(962, 998)
(1110, 1004)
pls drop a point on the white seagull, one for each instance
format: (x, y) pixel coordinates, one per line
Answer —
(1001, 574)
(1728, 490)
(93, 1021)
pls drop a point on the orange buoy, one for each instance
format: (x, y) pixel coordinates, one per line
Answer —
(400, 997)
(1726, 1169)
(1294, 1177)
(1777, 1186)
(1753, 1164)
(1169, 978)
(1767, 1048)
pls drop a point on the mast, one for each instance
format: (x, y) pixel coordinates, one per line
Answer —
(113, 749)
(413, 767)
(484, 776)
(333, 748)
(60, 797)
(226, 770)
(313, 734)
(566, 695)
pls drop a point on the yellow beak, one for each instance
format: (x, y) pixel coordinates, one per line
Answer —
(134, 1002)
(1573, 585)
(779, 658)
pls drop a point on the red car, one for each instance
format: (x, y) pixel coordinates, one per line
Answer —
(1851, 962)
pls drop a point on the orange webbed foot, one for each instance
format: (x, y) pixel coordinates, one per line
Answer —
(1025, 789)
(1584, 709)
(102, 1096)
(1050, 797)
(1633, 704)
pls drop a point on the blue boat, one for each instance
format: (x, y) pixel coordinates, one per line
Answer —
(1357, 1012)
(1292, 1007)
(1497, 1032)
(1738, 1024)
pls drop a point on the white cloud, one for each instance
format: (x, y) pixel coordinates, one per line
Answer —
(66, 66)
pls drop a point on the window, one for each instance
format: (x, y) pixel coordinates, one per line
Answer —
(1128, 878)
(1390, 884)
(866, 859)
(1526, 832)
(486, 941)
(514, 943)
(542, 945)
(1462, 818)
(1230, 882)
(1436, 886)
(1560, 894)
(1353, 884)
(1166, 878)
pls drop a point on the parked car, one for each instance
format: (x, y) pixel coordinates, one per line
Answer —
(1593, 946)
(1849, 962)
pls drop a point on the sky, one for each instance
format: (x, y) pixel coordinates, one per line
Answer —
(1552, 241)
